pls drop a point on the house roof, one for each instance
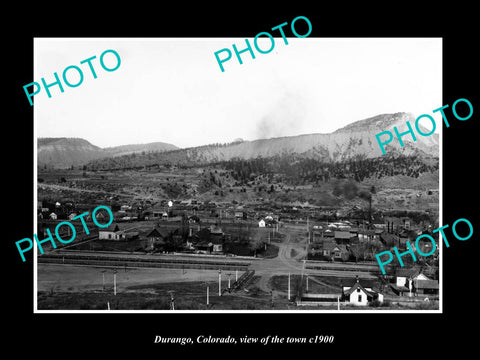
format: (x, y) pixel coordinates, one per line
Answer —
(214, 229)
(366, 283)
(426, 284)
(366, 232)
(328, 244)
(203, 243)
(355, 287)
(332, 245)
(410, 272)
(157, 233)
(131, 234)
(343, 235)
(399, 288)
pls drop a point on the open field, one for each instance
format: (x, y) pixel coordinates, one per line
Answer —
(81, 288)
(65, 278)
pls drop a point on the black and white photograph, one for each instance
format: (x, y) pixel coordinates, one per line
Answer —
(240, 180)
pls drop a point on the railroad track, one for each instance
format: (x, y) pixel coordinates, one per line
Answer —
(126, 261)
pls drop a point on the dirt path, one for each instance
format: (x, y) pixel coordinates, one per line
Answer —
(283, 263)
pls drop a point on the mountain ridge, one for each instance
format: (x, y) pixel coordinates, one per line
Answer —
(355, 140)
(64, 152)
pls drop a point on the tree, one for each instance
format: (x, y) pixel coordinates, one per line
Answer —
(256, 243)
(357, 251)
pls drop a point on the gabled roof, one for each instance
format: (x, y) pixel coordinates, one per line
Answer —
(328, 244)
(355, 287)
(332, 245)
(214, 229)
(366, 283)
(389, 237)
(157, 233)
(343, 235)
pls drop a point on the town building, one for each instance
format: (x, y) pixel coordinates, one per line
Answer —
(359, 295)
(157, 239)
(113, 232)
(411, 282)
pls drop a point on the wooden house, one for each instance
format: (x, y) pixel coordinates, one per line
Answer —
(336, 252)
(359, 295)
(157, 239)
(113, 232)
(406, 280)
(426, 287)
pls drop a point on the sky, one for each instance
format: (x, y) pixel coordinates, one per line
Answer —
(172, 89)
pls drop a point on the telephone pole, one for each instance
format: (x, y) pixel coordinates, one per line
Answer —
(288, 286)
(115, 282)
(219, 282)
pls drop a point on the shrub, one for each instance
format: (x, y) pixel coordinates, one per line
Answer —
(386, 303)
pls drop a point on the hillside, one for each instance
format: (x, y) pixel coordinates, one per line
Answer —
(67, 152)
(354, 141)
(138, 148)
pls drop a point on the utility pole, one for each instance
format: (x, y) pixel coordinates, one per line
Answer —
(307, 282)
(288, 286)
(172, 300)
(207, 294)
(115, 282)
(236, 275)
(103, 280)
(219, 282)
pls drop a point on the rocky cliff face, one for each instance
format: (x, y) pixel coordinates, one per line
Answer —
(354, 141)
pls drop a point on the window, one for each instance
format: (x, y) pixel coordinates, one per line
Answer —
(359, 298)
(358, 289)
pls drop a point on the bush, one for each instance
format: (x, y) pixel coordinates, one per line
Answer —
(386, 303)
